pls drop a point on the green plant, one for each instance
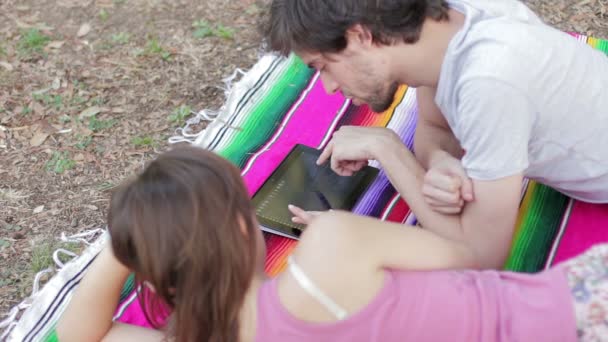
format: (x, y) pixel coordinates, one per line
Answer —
(32, 42)
(202, 29)
(78, 100)
(224, 32)
(120, 38)
(57, 101)
(105, 186)
(26, 110)
(145, 141)
(83, 142)
(4, 243)
(103, 14)
(98, 101)
(42, 257)
(64, 118)
(60, 162)
(2, 50)
(97, 125)
(153, 47)
(179, 114)
(47, 99)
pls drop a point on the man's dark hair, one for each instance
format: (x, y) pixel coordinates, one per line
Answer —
(321, 25)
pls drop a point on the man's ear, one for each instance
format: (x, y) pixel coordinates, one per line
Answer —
(359, 36)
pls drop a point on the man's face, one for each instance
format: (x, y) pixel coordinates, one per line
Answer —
(360, 74)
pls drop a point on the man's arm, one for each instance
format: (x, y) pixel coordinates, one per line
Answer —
(433, 135)
(485, 225)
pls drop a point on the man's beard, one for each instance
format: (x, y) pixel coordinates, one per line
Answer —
(383, 101)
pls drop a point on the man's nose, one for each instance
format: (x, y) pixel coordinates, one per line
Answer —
(331, 86)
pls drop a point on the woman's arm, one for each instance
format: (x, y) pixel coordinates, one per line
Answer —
(366, 241)
(88, 316)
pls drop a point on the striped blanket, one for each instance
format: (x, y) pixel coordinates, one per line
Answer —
(281, 102)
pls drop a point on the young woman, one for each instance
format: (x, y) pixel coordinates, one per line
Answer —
(186, 227)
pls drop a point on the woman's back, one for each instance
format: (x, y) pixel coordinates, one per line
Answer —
(436, 306)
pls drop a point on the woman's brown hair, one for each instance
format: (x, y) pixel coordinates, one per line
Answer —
(179, 226)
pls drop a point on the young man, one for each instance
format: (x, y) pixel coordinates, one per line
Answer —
(501, 96)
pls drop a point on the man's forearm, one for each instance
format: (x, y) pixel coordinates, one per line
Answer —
(406, 174)
(431, 140)
(486, 227)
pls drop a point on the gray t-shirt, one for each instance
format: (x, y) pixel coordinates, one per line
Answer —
(521, 96)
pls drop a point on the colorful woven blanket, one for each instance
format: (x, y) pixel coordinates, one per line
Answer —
(281, 102)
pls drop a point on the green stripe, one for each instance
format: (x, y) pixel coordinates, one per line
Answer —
(52, 337)
(540, 224)
(127, 287)
(538, 230)
(256, 130)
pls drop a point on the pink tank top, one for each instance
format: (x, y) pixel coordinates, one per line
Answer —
(439, 306)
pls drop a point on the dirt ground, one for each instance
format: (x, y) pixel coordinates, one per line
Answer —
(92, 89)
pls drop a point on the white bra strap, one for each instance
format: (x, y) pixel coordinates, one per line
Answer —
(314, 291)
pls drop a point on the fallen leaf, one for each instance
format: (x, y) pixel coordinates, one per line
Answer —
(84, 29)
(90, 207)
(57, 44)
(38, 138)
(118, 110)
(6, 66)
(89, 112)
(56, 83)
(38, 209)
(79, 157)
(38, 108)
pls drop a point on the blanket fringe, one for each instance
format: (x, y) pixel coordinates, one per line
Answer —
(86, 237)
(185, 134)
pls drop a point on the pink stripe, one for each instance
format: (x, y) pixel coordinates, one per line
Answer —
(587, 226)
(307, 125)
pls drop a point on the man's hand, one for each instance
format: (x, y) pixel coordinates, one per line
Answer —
(446, 185)
(352, 146)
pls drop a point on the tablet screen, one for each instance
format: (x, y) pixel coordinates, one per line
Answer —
(300, 181)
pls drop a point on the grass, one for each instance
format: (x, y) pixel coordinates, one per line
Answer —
(120, 38)
(42, 254)
(98, 101)
(153, 47)
(60, 162)
(26, 110)
(145, 141)
(202, 29)
(42, 257)
(179, 115)
(2, 50)
(56, 101)
(97, 125)
(83, 142)
(32, 43)
(4, 243)
(224, 32)
(104, 15)
(105, 186)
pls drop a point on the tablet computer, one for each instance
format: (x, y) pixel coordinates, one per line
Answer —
(300, 181)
